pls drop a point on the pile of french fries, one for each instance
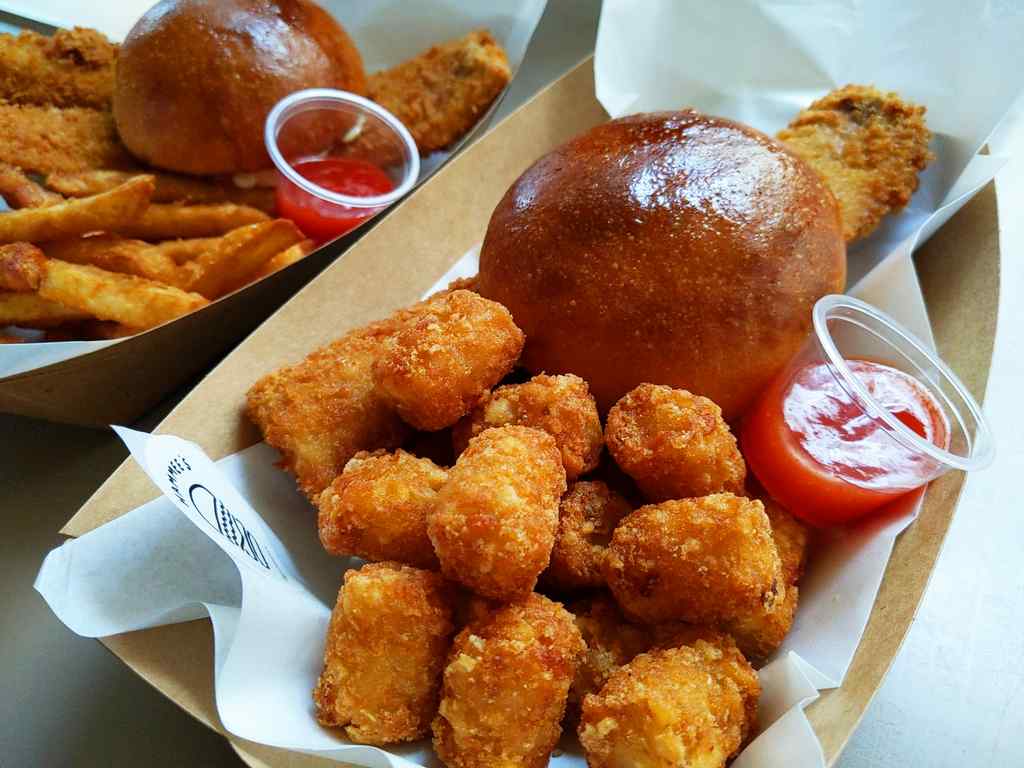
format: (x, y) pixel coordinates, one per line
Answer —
(105, 254)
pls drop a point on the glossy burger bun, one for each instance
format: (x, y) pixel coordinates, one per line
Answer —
(197, 78)
(671, 248)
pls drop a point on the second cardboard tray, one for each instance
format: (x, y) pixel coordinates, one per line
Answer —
(403, 256)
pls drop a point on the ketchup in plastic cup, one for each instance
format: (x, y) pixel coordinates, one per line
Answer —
(864, 414)
(341, 159)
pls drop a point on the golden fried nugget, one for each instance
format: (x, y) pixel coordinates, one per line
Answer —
(700, 560)
(377, 508)
(675, 445)
(611, 642)
(456, 347)
(44, 139)
(322, 411)
(790, 537)
(587, 515)
(505, 687)
(494, 521)
(73, 68)
(560, 405)
(441, 94)
(385, 653)
(760, 630)
(869, 147)
(686, 706)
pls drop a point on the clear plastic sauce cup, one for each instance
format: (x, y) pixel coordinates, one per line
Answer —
(341, 159)
(863, 414)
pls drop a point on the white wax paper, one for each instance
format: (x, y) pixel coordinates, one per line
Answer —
(386, 33)
(758, 62)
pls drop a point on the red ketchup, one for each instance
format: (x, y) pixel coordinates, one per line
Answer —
(322, 220)
(817, 452)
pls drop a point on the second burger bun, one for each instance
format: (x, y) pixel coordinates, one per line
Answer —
(671, 248)
(197, 78)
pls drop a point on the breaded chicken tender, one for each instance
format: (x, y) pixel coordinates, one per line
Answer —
(587, 515)
(440, 94)
(493, 523)
(385, 653)
(686, 706)
(377, 508)
(611, 642)
(437, 366)
(560, 405)
(73, 68)
(675, 445)
(869, 147)
(47, 139)
(701, 560)
(322, 411)
(505, 687)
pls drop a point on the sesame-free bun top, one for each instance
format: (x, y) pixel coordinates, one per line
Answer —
(671, 248)
(196, 78)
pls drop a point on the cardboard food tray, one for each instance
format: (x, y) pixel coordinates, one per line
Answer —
(120, 382)
(402, 256)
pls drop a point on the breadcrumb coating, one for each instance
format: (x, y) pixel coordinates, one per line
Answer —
(46, 139)
(790, 537)
(870, 148)
(454, 349)
(674, 444)
(587, 515)
(760, 631)
(493, 524)
(71, 68)
(505, 687)
(440, 94)
(560, 405)
(686, 706)
(377, 508)
(701, 560)
(385, 653)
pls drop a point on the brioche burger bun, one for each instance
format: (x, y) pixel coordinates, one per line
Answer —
(196, 78)
(671, 248)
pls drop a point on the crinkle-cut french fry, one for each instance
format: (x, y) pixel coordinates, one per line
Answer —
(289, 256)
(117, 254)
(166, 220)
(19, 191)
(232, 263)
(29, 310)
(182, 251)
(170, 188)
(133, 301)
(108, 211)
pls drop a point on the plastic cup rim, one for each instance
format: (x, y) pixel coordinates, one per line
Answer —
(981, 445)
(285, 106)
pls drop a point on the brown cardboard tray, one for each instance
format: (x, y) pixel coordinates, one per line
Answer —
(403, 255)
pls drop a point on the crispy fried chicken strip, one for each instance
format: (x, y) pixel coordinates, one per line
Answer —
(43, 139)
(869, 146)
(73, 68)
(440, 94)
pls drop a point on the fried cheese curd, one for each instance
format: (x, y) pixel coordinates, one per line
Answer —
(686, 706)
(611, 642)
(493, 523)
(790, 537)
(385, 653)
(505, 687)
(701, 560)
(438, 365)
(560, 405)
(868, 146)
(675, 445)
(323, 410)
(377, 508)
(587, 515)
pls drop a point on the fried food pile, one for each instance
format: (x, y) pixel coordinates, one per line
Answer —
(123, 247)
(529, 582)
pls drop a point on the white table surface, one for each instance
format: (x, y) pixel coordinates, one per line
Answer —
(954, 696)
